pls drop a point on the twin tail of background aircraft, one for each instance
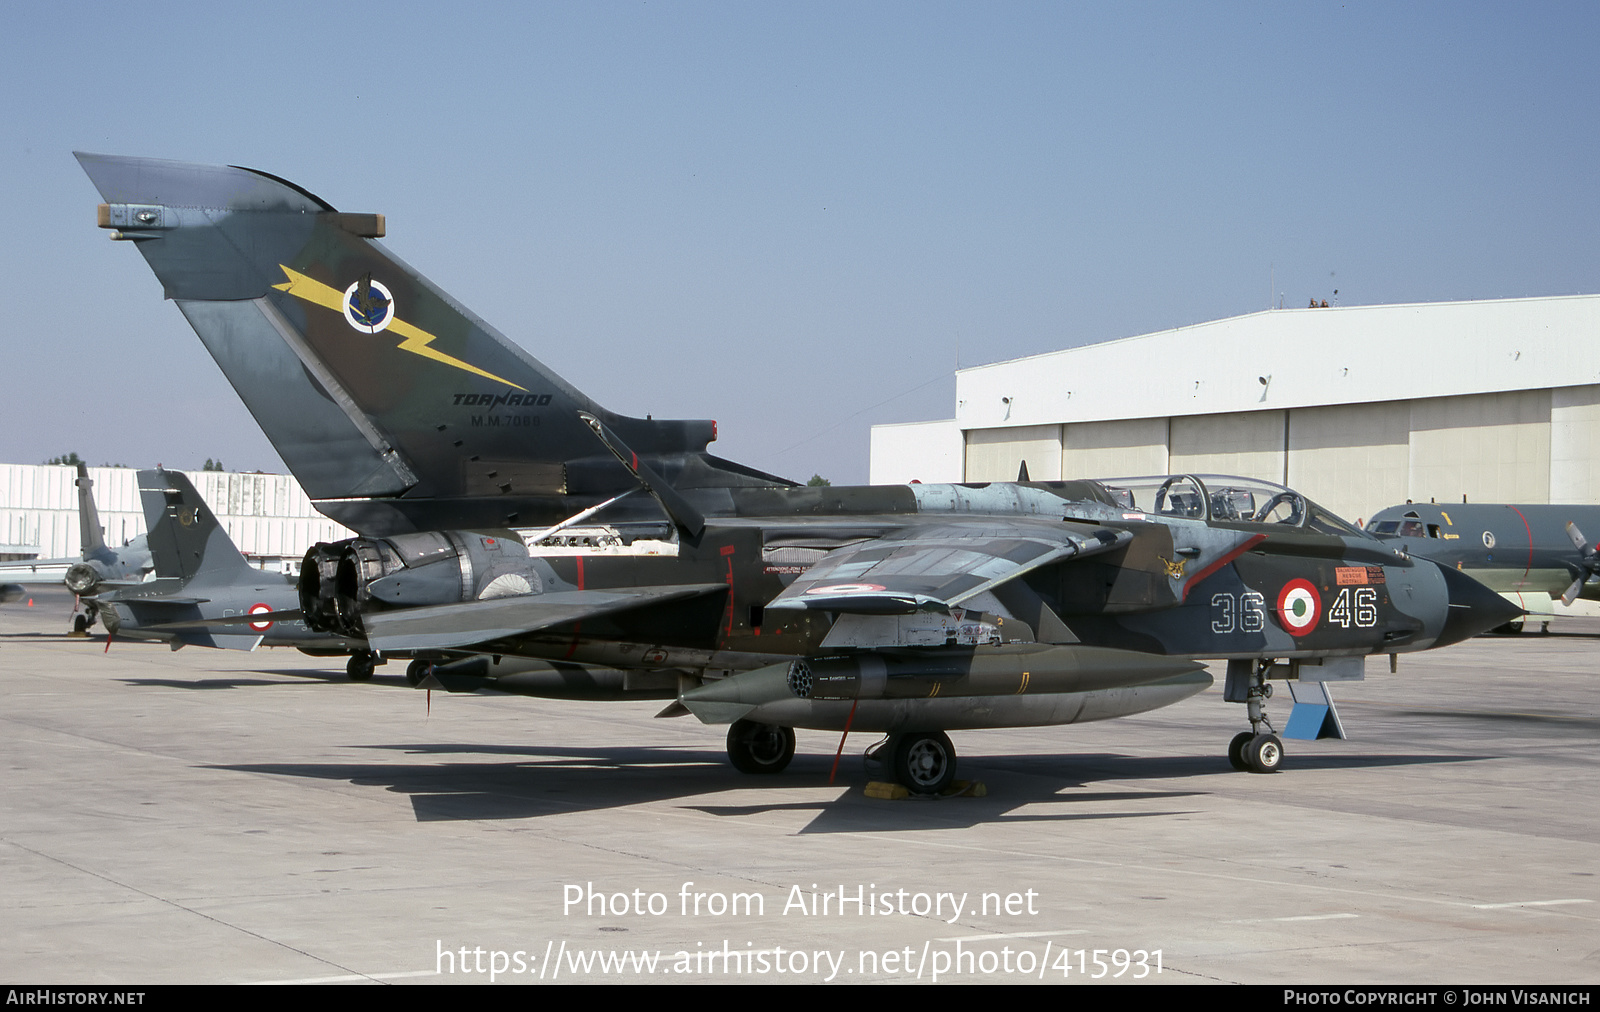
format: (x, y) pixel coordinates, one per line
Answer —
(739, 596)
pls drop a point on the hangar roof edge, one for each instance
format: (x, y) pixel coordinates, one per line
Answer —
(1291, 358)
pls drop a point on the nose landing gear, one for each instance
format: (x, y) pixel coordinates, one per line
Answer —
(1258, 750)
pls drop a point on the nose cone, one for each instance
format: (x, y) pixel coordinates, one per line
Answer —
(1474, 608)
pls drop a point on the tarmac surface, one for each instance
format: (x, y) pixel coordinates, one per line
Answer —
(209, 816)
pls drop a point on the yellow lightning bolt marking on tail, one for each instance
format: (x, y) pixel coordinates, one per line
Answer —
(417, 341)
(310, 289)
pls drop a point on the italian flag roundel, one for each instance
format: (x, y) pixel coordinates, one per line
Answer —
(1298, 607)
(260, 608)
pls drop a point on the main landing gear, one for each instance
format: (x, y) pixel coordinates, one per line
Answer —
(924, 761)
(85, 618)
(417, 670)
(361, 665)
(1258, 750)
(760, 748)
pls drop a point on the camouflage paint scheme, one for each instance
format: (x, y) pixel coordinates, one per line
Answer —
(907, 609)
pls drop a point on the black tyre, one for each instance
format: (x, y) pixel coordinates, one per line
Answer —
(1264, 753)
(760, 748)
(416, 671)
(1236, 750)
(359, 667)
(925, 762)
(80, 623)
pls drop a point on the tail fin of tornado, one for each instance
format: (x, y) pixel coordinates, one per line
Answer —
(91, 536)
(185, 539)
(394, 406)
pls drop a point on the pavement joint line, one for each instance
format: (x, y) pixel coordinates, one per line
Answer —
(1282, 920)
(172, 903)
(1527, 903)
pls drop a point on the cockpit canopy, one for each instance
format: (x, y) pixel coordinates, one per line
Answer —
(1225, 499)
(1410, 525)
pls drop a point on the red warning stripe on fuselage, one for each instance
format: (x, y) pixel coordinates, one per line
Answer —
(1220, 562)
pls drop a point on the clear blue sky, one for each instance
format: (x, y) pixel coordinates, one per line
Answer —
(794, 218)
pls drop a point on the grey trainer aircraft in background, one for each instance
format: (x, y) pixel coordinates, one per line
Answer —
(911, 610)
(98, 568)
(201, 582)
(1530, 554)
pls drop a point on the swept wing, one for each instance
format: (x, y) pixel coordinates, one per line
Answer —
(936, 567)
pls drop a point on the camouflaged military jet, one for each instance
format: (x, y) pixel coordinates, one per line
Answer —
(96, 569)
(568, 551)
(203, 592)
(1530, 554)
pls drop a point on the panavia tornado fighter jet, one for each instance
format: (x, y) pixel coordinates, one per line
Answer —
(1530, 554)
(204, 592)
(572, 552)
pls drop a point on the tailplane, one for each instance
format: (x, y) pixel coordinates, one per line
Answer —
(395, 407)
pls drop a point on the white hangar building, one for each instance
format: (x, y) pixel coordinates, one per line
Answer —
(1358, 407)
